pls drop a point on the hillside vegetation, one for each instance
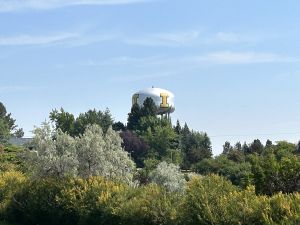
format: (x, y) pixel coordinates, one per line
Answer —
(91, 170)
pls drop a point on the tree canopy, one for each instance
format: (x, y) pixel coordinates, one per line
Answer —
(8, 125)
(67, 122)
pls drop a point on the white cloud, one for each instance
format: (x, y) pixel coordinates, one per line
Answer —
(124, 60)
(229, 37)
(36, 40)
(86, 39)
(20, 5)
(195, 61)
(165, 39)
(228, 57)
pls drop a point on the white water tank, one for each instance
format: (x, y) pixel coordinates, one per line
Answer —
(163, 99)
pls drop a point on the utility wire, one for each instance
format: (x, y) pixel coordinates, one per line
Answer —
(257, 134)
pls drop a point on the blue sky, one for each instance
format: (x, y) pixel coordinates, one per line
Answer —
(233, 65)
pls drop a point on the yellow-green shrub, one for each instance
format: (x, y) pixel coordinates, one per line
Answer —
(284, 209)
(244, 207)
(205, 200)
(10, 183)
(91, 200)
(36, 203)
(149, 204)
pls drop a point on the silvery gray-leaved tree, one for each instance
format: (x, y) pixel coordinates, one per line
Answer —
(94, 153)
(102, 155)
(53, 154)
(168, 176)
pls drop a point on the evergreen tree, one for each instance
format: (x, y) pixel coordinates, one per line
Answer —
(238, 146)
(177, 128)
(8, 125)
(256, 147)
(298, 148)
(149, 108)
(195, 146)
(245, 148)
(118, 126)
(134, 117)
(236, 154)
(269, 144)
(227, 147)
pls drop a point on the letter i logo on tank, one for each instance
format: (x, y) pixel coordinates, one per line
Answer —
(135, 98)
(164, 100)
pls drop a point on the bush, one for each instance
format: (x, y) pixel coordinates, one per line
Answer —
(66, 202)
(168, 176)
(36, 203)
(148, 205)
(10, 158)
(203, 202)
(91, 200)
(284, 209)
(10, 183)
(207, 200)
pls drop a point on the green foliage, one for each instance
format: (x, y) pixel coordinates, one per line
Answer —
(149, 165)
(11, 158)
(276, 174)
(284, 209)
(63, 120)
(149, 108)
(4, 131)
(134, 117)
(76, 126)
(91, 201)
(272, 168)
(118, 126)
(103, 119)
(10, 183)
(148, 205)
(203, 201)
(207, 200)
(177, 128)
(8, 126)
(36, 203)
(283, 149)
(256, 147)
(239, 174)
(195, 146)
(159, 135)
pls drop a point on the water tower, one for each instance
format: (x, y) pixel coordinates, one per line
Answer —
(163, 99)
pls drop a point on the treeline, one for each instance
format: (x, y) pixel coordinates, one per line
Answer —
(271, 168)
(91, 170)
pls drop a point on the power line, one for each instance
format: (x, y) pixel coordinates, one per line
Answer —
(257, 134)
